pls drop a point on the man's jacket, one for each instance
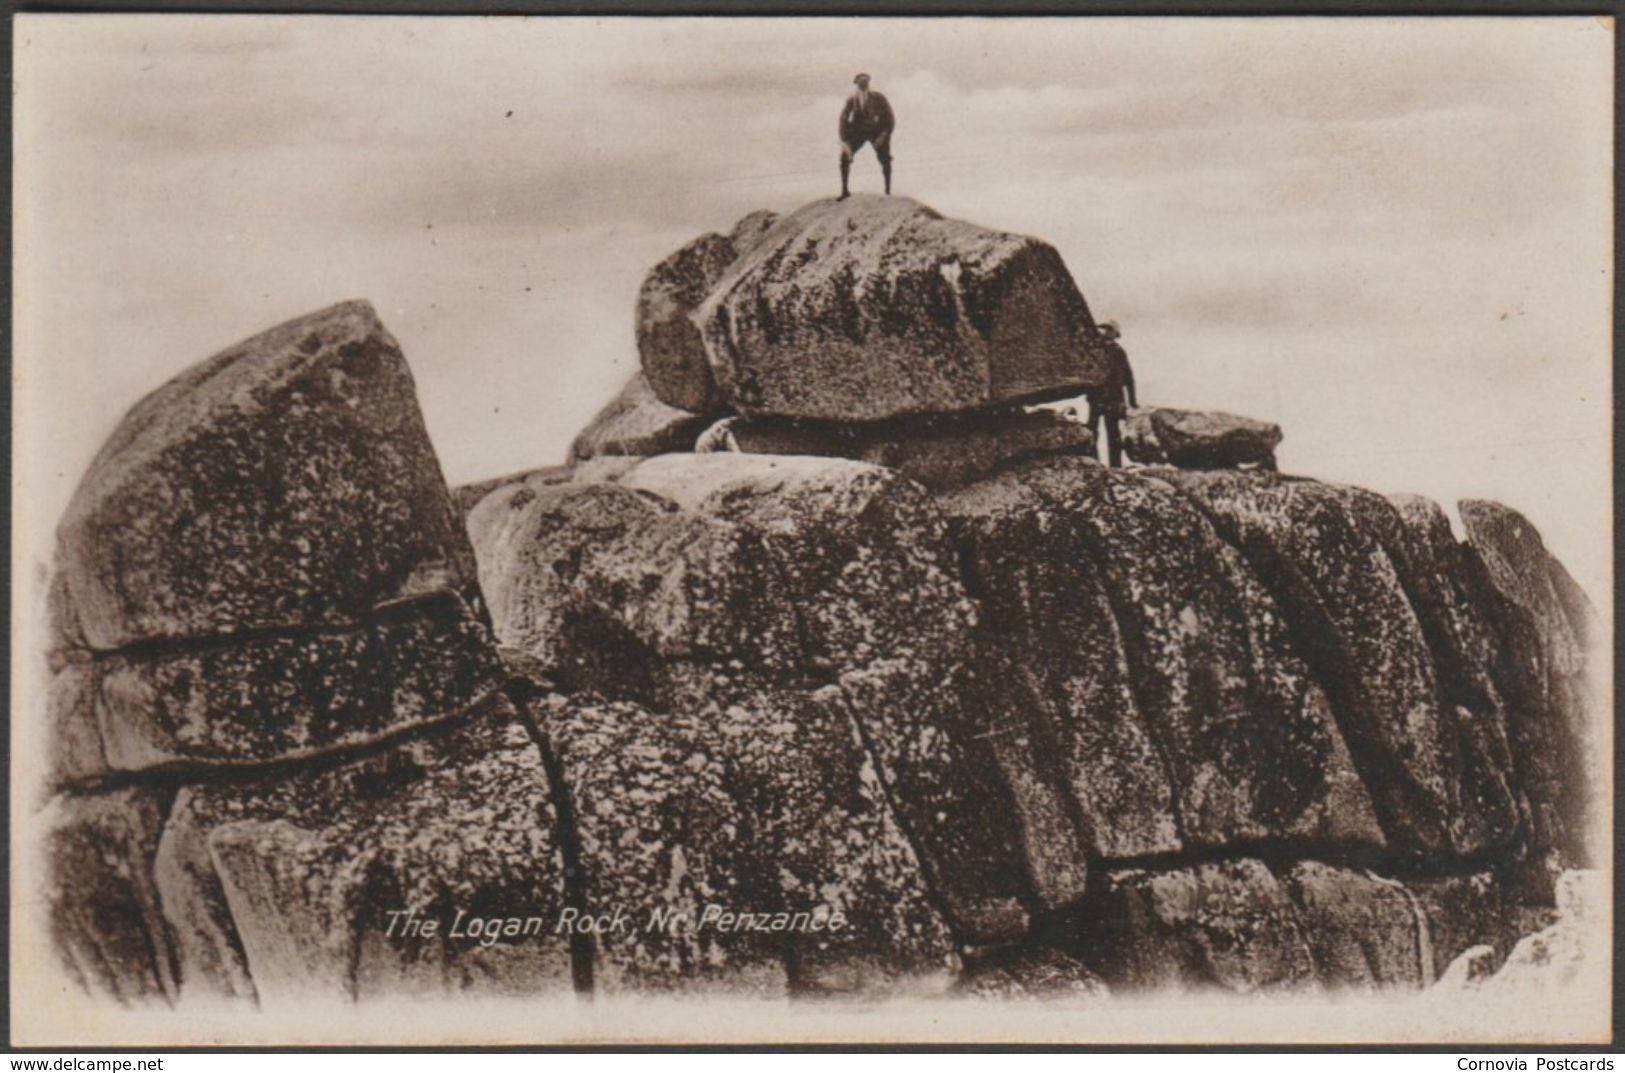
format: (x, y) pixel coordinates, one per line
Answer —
(866, 120)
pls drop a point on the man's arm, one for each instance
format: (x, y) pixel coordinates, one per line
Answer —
(846, 122)
(887, 120)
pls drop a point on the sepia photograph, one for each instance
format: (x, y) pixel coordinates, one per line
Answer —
(551, 531)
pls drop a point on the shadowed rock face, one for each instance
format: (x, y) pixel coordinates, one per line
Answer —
(669, 343)
(103, 907)
(1228, 925)
(938, 453)
(870, 308)
(1543, 624)
(636, 422)
(1437, 776)
(1018, 719)
(1183, 667)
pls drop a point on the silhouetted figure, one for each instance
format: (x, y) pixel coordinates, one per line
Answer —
(866, 118)
(1113, 399)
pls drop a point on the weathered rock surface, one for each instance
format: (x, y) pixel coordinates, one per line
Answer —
(1047, 633)
(669, 341)
(636, 422)
(753, 574)
(658, 831)
(287, 481)
(102, 905)
(1432, 771)
(73, 735)
(874, 605)
(1363, 930)
(871, 308)
(1186, 644)
(1040, 972)
(286, 886)
(1198, 439)
(1543, 624)
(271, 697)
(1229, 925)
(939, 453)
(766, 804)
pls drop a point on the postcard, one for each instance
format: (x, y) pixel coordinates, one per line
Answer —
(540, 530)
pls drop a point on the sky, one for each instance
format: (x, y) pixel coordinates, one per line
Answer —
(1391, 236)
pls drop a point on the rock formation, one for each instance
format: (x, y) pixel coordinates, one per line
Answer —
(1199, 439)
(884, 647)
(637, 423)
(938, 452)
(669, 342)
(876, 307)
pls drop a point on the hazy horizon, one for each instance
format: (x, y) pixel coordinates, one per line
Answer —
(1391, 236)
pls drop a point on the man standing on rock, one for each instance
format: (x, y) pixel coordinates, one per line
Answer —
(866, 118)
(1113, 399)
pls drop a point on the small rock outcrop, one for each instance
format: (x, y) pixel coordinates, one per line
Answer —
(1199, 439)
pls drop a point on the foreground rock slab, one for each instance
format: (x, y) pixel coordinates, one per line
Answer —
(285, 888)
(763, 805)
(1229, 925)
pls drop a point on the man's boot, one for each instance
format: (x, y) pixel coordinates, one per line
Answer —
(846, 170)
(885, 170)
